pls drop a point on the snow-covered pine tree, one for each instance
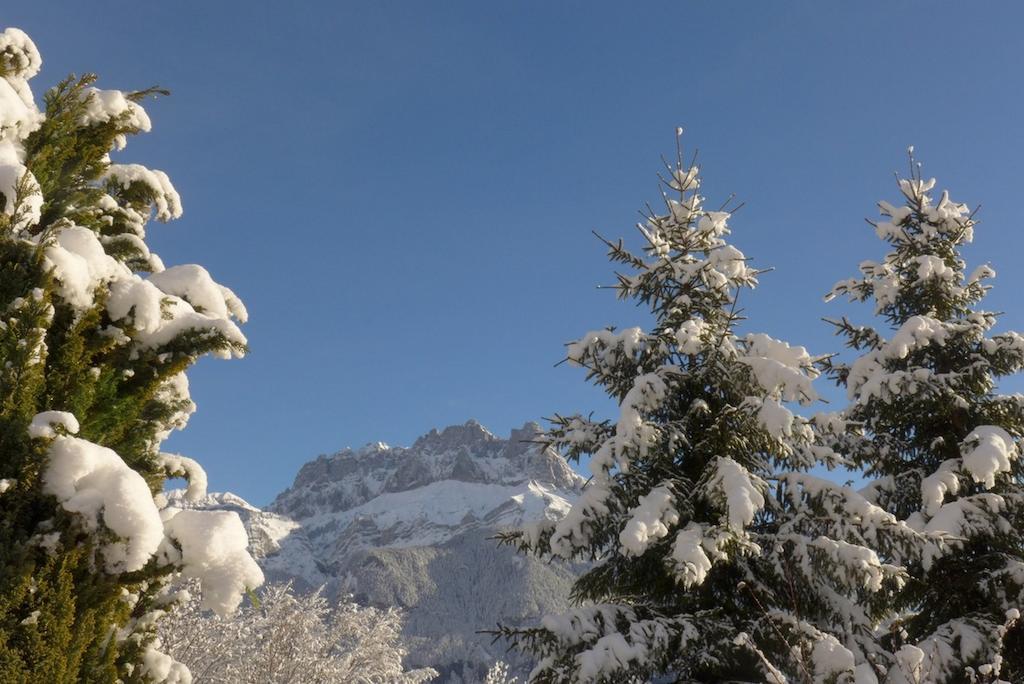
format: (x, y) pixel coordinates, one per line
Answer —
(941, 444)
(708, 563)
(95, 337)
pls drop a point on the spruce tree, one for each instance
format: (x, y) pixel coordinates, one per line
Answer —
(95, 337)
(715, 555)
(941, 445)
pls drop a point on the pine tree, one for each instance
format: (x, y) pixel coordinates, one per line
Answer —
(716, 556)
(941, 444)
(95, 337)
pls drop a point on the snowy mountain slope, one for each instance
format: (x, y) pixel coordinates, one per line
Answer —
(452, 591)
(413, 527)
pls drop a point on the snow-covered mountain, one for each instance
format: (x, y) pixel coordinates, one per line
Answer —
(444, 484)
(413, 527)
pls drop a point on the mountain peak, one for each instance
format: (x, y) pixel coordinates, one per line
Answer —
(529, 433)
(372, 448)
(470, 433)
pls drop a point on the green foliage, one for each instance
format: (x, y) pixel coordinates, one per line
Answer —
(63, 618)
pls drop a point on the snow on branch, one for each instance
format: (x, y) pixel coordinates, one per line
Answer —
(211, 546)
(740, 491)
(175, 465)
(93, 482)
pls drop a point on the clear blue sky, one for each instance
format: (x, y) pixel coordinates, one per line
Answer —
(403, 193)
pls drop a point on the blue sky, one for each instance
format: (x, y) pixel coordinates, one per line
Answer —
(404, 193)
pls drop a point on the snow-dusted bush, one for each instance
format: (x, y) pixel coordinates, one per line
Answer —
(290, 639)
(499, 674)
(95, 338)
